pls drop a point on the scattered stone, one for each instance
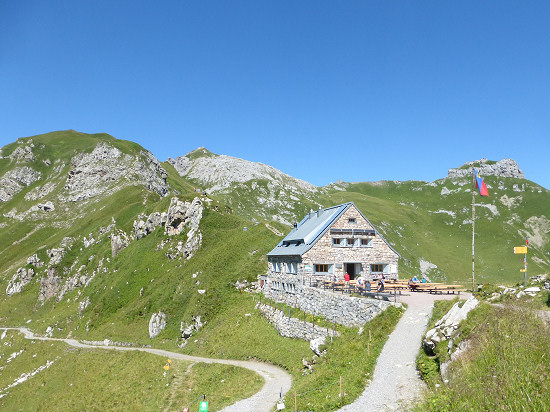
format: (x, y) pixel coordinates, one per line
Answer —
(83, 305)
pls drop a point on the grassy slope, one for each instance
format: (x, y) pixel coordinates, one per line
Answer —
(505, 368)
(405, 214)
(86, 379)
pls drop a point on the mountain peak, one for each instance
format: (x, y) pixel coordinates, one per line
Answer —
(501, 168)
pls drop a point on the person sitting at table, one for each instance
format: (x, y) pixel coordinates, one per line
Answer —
(423, 280)
(367, 286)
(415, 279)
(360, 283)
(381, 285)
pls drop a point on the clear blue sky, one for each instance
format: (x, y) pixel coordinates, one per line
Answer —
(357, 91)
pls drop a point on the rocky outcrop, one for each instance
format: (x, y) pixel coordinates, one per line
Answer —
(40, 192)
(23, 153)
(143, 228)
(50, 285)
(35, 261)
(183, 214)
(14, 180)
(94, 173)
(83, 305)
(157, 324)
(118, 242)
(19, 280)
(502, 168)
(179, 217)
(446, 327)
(187, 330)
(55, 255)
(219, 172)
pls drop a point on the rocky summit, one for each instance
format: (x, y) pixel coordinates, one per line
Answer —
(501, 168)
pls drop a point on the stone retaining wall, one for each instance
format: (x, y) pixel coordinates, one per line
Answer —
(340, 308)
(293, 327)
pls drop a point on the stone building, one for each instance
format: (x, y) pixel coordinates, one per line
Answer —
(326, 244)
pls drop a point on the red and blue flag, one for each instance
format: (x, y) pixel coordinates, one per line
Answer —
(480, 184)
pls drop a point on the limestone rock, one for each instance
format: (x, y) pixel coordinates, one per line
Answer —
(188, 329)
(316, 343)
(23, 153)
(157, 324)
(49, 285)
(118, 242)
(503, 168)
(14, 180)
(19, 280)
(219, 172)
(35, 261)
(143, 228)
(83, 305)
(56, 255)
(181, 214)
(532, 291)
(446, 327)
(106, 167)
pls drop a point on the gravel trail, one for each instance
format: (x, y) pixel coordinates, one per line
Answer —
(277, 381)
(396, 383)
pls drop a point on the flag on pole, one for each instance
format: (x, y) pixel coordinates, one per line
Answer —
(480, 184)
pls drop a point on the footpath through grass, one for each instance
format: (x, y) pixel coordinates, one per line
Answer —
(61, 377)
(506, 367)
(243, 333)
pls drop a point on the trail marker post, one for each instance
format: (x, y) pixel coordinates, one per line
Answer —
(523, 251)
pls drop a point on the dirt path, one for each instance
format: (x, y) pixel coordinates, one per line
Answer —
(277, 381)
(396, 383)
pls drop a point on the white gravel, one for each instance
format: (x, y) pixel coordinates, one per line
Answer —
(396, 384)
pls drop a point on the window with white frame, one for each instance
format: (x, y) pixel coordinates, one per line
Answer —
(336, 242)
(365, 242)
(379, 268)
(350, 242)
(292, 267)
(277, 267)
(323, 268)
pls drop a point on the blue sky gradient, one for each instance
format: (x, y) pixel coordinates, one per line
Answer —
(322, 90)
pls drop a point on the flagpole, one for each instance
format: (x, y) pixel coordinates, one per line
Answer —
(473, 228)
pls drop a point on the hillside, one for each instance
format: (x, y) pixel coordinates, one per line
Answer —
(253, 190)
(101, 241)
(429, 223)
(83, 249)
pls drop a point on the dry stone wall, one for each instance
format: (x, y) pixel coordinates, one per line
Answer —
(340, 308)
(293, 327)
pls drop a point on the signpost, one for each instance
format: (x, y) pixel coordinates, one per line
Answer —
(203, 406)
(522, 250)
(167, 369)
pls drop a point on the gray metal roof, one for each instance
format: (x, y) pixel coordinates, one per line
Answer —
(308, 231)
(311, 228)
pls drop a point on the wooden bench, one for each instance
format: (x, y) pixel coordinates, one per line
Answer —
(438, 288)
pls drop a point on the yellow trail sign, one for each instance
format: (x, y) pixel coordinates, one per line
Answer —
(520, 250)
(523, 270)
